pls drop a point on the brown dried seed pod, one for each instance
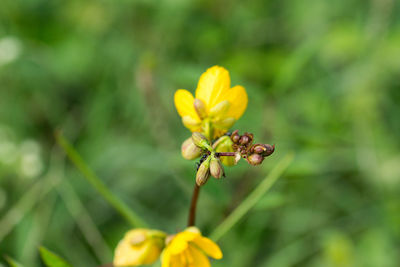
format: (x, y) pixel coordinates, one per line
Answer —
(250, 136)
(268, 150)
(255, 159)
(258, 148)
(244, 140)
(235, 137)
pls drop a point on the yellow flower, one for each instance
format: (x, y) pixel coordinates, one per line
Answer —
(216, 107)
(190, 249)
(138, 247)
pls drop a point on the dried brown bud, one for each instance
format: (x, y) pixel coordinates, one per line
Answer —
(258, 148)
(255, 159)
(190, 150)
(216, 168)
(262, 149)
(244, 140)
(235, 137)
(268, 150)
(203, 173)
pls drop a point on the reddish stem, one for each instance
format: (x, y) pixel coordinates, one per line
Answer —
(193, 205)
(226, 154)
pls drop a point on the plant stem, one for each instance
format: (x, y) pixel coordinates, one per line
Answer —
(193, 205)
(252, 198)
(225, 154)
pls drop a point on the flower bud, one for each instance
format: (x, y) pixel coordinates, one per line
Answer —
(220, 109)
(255, 159)
(203, 173)
(138, 238)
(225, 123)
(190, 150)
(139, 247)
(200, 108)
(235, 137)
(201, 141)
(216, 168)
(224, 144)
(189, 122)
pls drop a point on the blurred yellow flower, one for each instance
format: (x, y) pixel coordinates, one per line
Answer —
(138, 247)
(190, 249)
(216, 107)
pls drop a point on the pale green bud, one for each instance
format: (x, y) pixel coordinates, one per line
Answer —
(203, 173)
(138, 238)
(201, 141)
(189, 122)
(224, 144)
(190, 150)
(220, 109)
(224, 123)
(216, 169)
(200, 108)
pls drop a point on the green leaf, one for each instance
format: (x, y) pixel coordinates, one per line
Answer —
(51, 259)
(12, 262)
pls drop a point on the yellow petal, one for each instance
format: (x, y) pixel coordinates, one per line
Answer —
(213, 85)
(190, 234)
(238, 99)
(208, 246)
(199, 259)
(178, 261)
(184, 104)
(188, 257)
(177, 245)
(218, 132)
(138, 247)
(127, 255)
(166, 258)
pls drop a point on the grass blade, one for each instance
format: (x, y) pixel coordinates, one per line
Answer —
(12, 262)
(52, 260)
(83, 220)
(95, 181)
(253, 198)
(25, 204)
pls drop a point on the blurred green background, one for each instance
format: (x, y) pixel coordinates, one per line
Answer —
(322, 79)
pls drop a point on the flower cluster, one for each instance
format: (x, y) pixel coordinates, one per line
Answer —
(216, 107)
(209, 115)
(187, 248)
